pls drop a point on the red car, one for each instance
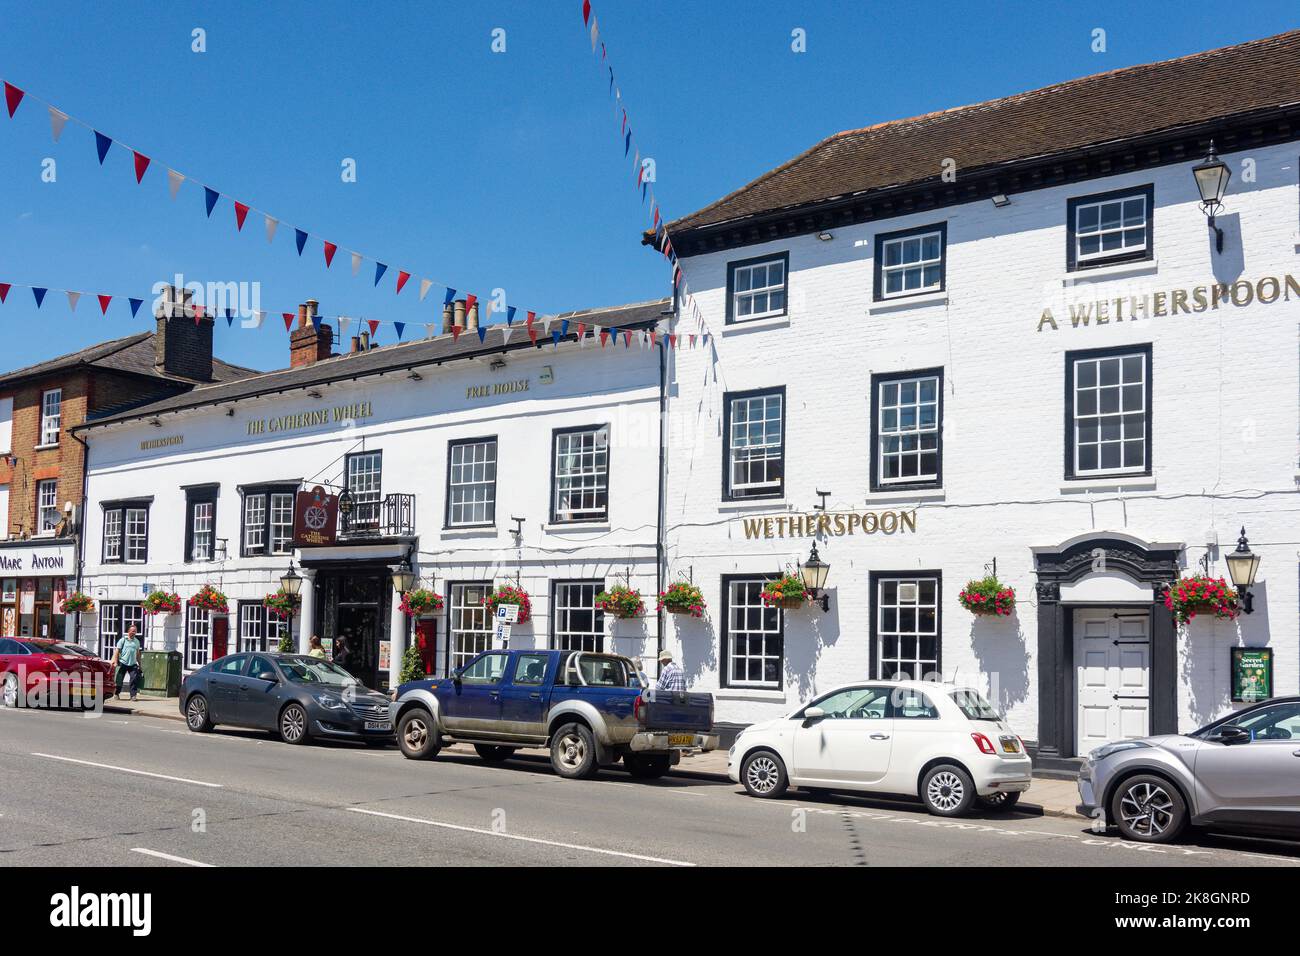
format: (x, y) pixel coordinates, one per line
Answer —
(54, 673)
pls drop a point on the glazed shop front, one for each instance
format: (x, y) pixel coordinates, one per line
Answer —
(34, 581)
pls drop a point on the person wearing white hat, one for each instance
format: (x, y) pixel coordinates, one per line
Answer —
(671, 675)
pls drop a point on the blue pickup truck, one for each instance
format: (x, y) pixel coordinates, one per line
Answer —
(591, 710)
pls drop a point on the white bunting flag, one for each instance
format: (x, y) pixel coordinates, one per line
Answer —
(356, 262)
(505, 334)
(258, 318)
(270, 228)
(429, 327)
(546, 326)
(174, 180)
(582, 339)
(595, 34)
(425, 285)
(73, 298)
(57, 119)
(344, 323)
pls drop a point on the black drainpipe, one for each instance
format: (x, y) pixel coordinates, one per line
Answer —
(80, 533)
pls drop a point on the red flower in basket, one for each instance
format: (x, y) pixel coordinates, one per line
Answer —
(508, 594)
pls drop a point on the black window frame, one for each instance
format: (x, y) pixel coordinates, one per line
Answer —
(878, 261)
(609, 472)
(353, 521)
(121, 626)
(267, 490)
(446, 512)
(122, 506)
(724, 632)
(1071, 357)
(599, 585)
(873, 603)
(784, 257)
(879, 380)
(266, 617)
(727, 399)
(1071, 224)
(197, 495)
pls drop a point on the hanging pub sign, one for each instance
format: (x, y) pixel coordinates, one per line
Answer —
(1252, 674)
(315, 518)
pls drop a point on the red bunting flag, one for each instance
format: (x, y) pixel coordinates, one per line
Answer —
(470, 302)
(13, 96)
(198, 314)
(4, 290)
(402, 278)
(240, 212)
(586, 11)
(532, 332)
(374, 326)
(288, 321)
(531, 317)
(672, 341)
(455, 332)
(141, 164)
(604, 336)
(103, 303)
(330, 249)
(582, 330)
(627, 339)
(654, 337)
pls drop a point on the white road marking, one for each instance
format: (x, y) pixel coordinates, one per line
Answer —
(168, 856)
(141, 773)
(522, 839)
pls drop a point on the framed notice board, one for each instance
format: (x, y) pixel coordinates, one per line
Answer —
(1252, 674)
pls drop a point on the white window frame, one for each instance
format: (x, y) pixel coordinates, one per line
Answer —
(472, 483)
(365, 477)
(1122, 229)
(745, 274)
(114, 539)
(577, 596)
(47, 506)
(581, 470)
(1142, 413)
(51, 416)
(115, 619)
(470, 628)
(203, 530)
(919, 265)
(911, 440)
(762, 449)
(198, 637)
(136, 535)
(281, 522)
(260, 631)
(921, 667)
(255, 531)
(744, 603)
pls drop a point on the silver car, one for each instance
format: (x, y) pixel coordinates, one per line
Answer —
(1241, 772)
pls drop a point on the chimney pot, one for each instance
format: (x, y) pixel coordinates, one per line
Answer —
(458, 313)
(307, 346)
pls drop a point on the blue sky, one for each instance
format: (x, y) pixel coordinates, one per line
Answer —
(476, 168)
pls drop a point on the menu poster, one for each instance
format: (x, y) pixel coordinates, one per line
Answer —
(1252, 674)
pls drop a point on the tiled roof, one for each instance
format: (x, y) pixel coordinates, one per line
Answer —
(132, 353)
(389, 358)
(1090, 111)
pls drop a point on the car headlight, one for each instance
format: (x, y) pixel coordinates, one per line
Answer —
(330, 703)
(1101, 753)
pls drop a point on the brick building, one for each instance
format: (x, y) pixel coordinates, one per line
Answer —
(42, 464)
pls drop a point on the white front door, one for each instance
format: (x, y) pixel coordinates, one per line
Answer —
(1112, 660)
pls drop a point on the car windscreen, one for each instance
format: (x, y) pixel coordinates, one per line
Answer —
(312, 670)
(974, 706)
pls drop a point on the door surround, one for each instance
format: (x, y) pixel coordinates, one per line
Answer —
(1154, 566)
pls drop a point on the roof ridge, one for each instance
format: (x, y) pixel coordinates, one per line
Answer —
(112, 346)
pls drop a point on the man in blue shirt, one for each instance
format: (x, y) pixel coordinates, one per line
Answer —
(671, 675)
(126, 658)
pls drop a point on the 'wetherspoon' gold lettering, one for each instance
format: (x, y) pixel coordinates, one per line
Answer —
(1173, 302)
(836, 524)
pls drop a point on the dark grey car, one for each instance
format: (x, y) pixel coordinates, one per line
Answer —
(297, 696)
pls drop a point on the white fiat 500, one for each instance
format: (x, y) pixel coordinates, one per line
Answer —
(942, 743)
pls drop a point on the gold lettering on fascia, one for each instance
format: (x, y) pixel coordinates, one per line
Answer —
(497, 388)
(338, 415)
(165, 442)
(833, 524)
(1172, 302)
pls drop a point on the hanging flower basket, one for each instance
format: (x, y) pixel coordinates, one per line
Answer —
(161, 602)
(786, 591)
(282, 604)
(988, 597)
(78, 602)
(1198, 594)
(682, 598)
(210, 599)
(508, 594)
(621, 601)
(418, 601)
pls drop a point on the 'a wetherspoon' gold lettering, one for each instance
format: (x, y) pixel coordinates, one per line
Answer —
(831, 524)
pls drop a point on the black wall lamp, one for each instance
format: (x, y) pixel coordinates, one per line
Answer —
(1212, 181)
(1243, 565)
(291, 581)
(814, 572)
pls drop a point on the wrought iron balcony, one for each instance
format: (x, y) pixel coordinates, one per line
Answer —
(392, 516)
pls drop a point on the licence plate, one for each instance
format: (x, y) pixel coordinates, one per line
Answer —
(681, 740)
(1010, 745)
(378, 725)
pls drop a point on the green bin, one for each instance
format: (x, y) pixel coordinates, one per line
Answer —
(160, 673)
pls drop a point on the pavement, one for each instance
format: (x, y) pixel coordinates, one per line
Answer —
(1055, 798)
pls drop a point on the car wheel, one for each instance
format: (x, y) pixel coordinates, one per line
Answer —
(9, 692)
(196, 714)
(1148, 809)
(573, 752)
(947, 790)
(999, 802)
(293, 724)
(492, 753)
(763, 774)
(648, 766)
(417, 735)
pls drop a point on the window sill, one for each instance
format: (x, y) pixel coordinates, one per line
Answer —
(561, 527)
(746, 693)
(769, 504)
(753, 325)
(475, 531)
(1115, 483)
(49, 447)
(1084, 276)
(887, 495)
(908, 301)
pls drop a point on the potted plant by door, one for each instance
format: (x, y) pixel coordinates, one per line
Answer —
(787, 591)
(622, 602)
(161, 602)
(509, 594)
(1199, 594)
(210, 599)
(682, 597)
(420, 601)
(988, 596)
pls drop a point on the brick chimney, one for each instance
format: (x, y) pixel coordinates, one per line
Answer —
(306, 345)
(182, 344)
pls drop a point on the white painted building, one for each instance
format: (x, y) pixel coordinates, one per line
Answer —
(1041, 359)
(479, 463)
